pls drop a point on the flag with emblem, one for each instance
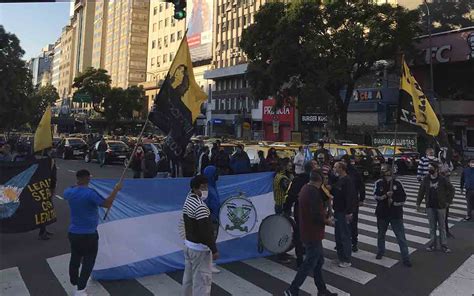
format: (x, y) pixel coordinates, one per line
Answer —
(414, 106)
(178, 104)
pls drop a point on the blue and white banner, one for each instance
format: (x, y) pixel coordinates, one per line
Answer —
(140, 236)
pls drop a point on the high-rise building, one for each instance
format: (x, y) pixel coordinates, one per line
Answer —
(55, 71)
(126, 41)
(66, 64)
(100, 34)
(41, 64)
(231, 104)
(164, 36)
(84, 12)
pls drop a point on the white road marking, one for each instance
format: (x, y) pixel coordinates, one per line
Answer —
(59, 197)
(236, 285)
(161, 284)
(11, 283)
(354, 274)
(287, 275)
(71, 171)
(460, 282)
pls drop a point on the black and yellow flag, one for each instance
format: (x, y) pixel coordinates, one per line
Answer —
(178, 103)
(414, 106)
(43, 136)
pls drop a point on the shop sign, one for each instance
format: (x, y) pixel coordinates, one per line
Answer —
(366, 95)
(318, 119)
(283, 114)
(403, 140)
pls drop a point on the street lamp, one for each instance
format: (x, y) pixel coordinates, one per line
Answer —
(430, 48)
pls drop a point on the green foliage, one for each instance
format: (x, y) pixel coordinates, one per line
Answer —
(312, 51)
(447, 15)
(44, 96)
(15, 83)
(120, 103)
(95, 83)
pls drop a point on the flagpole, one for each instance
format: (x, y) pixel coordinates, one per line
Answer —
(141, 133)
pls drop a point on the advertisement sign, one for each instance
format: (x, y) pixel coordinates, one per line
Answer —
(315, 119)
(283, 114)
(366, 95)
(199, 20)
(403, 140)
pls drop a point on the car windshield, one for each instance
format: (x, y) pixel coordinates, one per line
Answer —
(76, 141)
(358, 152)
(406, 150)
(374, 152)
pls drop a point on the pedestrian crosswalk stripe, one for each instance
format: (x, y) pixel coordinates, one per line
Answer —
(236, 285)
(60, 267)
(352, 273)
(409, 226)
(11, 283)
(373, 241)
(460, 282)
(405, 216)
(161, 284)
(363, 255)
(287, 275)
(409, 237)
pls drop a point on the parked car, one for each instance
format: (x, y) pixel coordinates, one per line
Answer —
(117, 151)
(365, 162)
(71, 148)
(406, 159)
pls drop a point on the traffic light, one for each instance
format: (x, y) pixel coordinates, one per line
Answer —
(179, 8)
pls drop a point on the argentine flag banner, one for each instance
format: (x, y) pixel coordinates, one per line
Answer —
(141, 235)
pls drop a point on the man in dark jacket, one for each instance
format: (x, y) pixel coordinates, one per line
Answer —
(345, 195)
(189, 161)
(312, 221)
(240, 162)
(389, 211)
(203, 161)
(359, 184)
(438, 193)
(223, 162)
(292, 201)
(467, 182)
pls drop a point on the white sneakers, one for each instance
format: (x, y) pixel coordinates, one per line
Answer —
(81, 293)
(344, 264)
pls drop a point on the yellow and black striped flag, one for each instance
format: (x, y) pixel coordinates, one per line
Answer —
(414, 106)
(178, 103)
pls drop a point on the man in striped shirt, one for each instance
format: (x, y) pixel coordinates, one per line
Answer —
(200, 244)
(424, 162)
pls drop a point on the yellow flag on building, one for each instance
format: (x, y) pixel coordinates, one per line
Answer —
(414, 105)
(43, 136)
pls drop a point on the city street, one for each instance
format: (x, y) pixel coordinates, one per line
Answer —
(29, 266)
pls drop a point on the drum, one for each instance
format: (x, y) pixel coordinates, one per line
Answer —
(276, 234)
(238, 216)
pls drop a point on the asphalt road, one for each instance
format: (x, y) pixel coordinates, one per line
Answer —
(30, 255)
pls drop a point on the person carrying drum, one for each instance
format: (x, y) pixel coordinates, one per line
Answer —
(292, 200)
(345, 195)
(390, 211)
(312, 221)
(200, 243)
(281, 184)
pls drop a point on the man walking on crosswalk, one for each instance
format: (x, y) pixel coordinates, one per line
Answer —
(84, 203)
(389, 211)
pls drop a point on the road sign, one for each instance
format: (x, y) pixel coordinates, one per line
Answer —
(81, 98)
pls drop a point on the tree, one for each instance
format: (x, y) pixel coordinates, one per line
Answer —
(15, 83)
(95, 83)
(447, 15)
(44, 96)
(120, 103)
(310, 51)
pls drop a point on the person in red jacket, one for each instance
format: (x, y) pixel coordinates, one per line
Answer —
(312, 220)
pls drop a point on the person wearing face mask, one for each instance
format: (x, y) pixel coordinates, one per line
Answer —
(345, 198)
(425, 161)
(200, 243)
(389, 211)
(467, 183)
(136, 163)
(438, 193)
(213, 201)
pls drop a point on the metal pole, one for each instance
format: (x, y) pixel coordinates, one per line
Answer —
(430, 48)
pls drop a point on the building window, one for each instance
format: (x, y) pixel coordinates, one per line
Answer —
(172, 38)
(180, 33)
(159, 43)
(165, 39)
(161, 7)
(166, 22)
(154, 27)
(171, 56)
(155, 10)
(173, 22)
(153, 44)
(165, 58)
(152, 62)
(160, 25)
(237, 22)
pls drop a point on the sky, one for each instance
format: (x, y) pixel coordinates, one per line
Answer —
(35, 24)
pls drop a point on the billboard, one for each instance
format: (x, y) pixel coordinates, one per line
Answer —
(199, 19)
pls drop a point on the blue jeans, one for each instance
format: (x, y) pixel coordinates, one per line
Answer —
(343, 237)
(313, 261)
(101, 157)
(398, 229)
(436, 218)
